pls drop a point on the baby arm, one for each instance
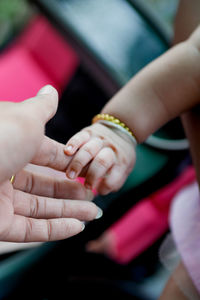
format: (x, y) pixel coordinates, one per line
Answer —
(161, 91)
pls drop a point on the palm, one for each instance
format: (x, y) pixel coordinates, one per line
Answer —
(38, 208)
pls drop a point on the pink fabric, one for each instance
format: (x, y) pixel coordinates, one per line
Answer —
(185, 227)
(142, 225)
(20, 77)
(38, 57)
(50, 51)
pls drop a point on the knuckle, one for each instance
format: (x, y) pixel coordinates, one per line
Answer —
(64, 209)
(54, 189)
(34, 206)
(29, 183)
(49, 230)
(102, 162)
(76, 165)
(88, 150)
(29, 229)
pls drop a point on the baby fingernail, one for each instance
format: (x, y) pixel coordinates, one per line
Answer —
(69, 148)
(99, 213)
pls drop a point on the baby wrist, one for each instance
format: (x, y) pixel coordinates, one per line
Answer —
(112, 122)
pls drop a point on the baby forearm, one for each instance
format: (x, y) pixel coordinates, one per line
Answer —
(161, 91)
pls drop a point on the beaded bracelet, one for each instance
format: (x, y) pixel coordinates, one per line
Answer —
(111, 121)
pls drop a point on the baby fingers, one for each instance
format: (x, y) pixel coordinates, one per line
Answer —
(113, 181)
(102, 163)
(83, 157)
(76, 142)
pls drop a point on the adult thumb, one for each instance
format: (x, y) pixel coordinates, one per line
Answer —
(45, 103)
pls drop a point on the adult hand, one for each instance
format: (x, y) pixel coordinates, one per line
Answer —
(35, 207)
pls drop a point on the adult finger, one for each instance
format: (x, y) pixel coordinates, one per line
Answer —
(23, 229)
(83, 157)
(51, 154)
(99, 167)
(47, 208)
(50, 185)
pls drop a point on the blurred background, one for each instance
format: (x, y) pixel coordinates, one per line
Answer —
(14, 15)
(82, 48)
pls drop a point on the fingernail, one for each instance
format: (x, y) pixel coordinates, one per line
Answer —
(83, 226)
(99, 213)
(72, 174)
(69, 148)
(47, 89)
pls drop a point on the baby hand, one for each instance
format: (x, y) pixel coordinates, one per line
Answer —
(107, 156)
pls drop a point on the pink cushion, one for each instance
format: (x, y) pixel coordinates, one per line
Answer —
(20, 76)
(49, 50)
(38, 57)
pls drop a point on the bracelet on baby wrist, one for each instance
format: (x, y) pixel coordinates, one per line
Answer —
(113, 122)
